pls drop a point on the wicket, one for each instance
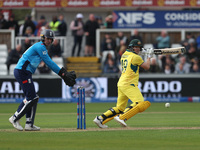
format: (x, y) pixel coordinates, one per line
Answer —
(81, 120)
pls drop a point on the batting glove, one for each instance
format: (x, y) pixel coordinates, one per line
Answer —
(149, 52)
(143, 52)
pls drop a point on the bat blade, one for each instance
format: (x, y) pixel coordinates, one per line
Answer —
(169, 51)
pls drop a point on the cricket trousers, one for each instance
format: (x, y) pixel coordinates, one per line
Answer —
(25, 80)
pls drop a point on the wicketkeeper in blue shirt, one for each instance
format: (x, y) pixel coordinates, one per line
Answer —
(26, 66)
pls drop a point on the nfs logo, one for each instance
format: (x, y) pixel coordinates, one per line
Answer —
(136, 17)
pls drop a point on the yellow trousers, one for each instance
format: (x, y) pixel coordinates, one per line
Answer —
(124, 94)
(128, 92)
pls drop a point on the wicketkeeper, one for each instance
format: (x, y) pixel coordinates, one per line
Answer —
(26, 66)
(127, 88)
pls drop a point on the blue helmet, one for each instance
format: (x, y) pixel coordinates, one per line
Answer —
(48, 34)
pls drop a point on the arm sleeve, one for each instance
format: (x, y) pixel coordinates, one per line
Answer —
(72, 27)
(45, 57)
(137, 60)
(86, 27)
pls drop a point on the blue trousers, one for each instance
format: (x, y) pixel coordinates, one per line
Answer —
(25, 80)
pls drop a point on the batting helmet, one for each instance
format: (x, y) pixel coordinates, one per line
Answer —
(135, 42)
(48, 34)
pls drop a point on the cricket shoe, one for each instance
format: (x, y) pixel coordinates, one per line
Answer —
(121, 122)
(15, 124)
(98, 122)
(28, 127)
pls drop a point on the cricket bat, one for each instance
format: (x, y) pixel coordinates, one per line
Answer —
(169, 51)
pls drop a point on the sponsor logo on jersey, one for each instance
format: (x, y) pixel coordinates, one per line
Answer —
(44, 52)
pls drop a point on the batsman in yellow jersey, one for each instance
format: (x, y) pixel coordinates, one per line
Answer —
(127, 88)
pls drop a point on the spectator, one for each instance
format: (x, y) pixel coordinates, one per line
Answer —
(100, 22)
(42, 29)
(41, 23)
(26, 45)
(3, 22)
(192, 52)
(21, 27)
(195, 68)
(167, 60)
(154, 67)
(110, 65)
(55, 49)
(108, 56)
(179, 69)
(121, 37)
(54, 25)
(182, 66)
(43, 69)
(77, 27)
(90, 31)
(29, 23)
(195, 64)
(108, 22)
(198, 43)
(189, 40)
(13, 56)
(121, 40)
(167, 69)
(108, 43)
(121, 51)
(136, 35)
(163, 41)
(13, 24)
(29, 32)
(62, 28)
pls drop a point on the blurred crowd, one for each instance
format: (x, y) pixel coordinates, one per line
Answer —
(33, 28)
(112, 47)
(189, 62)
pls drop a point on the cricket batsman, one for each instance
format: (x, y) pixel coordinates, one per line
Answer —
(24, 69)
(128, 88)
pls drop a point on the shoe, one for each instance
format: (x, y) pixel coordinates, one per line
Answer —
(29, 128)
(121, 122)
(97, 121)
(15, 124)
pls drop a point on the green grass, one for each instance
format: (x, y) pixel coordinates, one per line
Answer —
(158, 128)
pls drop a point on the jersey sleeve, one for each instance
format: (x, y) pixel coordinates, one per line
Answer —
(137, 60)
(45, 57)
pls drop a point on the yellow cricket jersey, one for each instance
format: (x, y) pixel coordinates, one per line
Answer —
(130, 63)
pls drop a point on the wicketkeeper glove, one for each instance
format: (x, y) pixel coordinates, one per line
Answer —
(68, 77)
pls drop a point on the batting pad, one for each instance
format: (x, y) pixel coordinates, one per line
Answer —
(108, 119)
(111, 113)
(142, 106)
(27, 106)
